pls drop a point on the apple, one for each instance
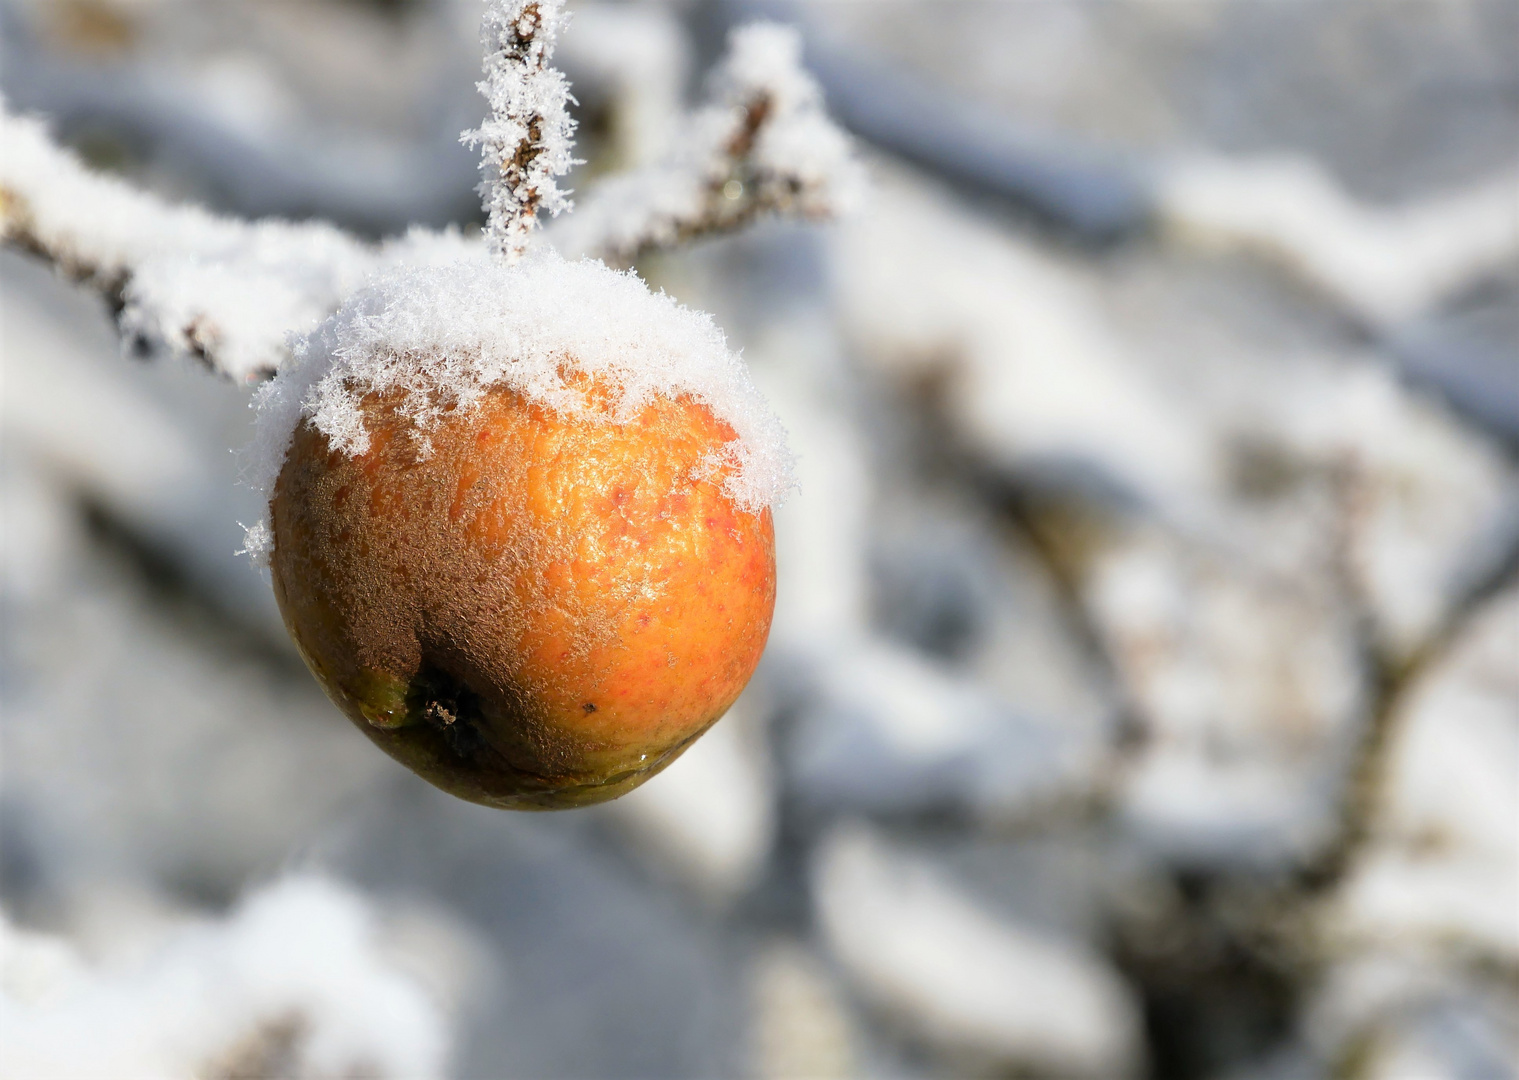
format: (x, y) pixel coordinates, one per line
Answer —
(531, 607)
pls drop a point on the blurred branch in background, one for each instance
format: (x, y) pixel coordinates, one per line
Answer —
(1388, 268)
(236, 129)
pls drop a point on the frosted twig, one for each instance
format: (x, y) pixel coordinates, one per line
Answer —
(229, 292)
(526, 139)
(763, 145)
(181, 279)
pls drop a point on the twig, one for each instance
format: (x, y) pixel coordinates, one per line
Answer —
(526, 141)
(1388, 677)
(179, 279)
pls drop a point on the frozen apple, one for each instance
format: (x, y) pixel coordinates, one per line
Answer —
(520, 526)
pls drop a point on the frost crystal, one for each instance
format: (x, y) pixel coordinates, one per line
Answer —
(526, 140)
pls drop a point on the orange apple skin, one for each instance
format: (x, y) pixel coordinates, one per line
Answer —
(541, 613)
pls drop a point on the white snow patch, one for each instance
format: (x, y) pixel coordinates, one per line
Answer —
(1033, 375)
(886, 728)
(1408, 1016)
(1386, 264)
(1248, 682)
(1444, 863)
(1427, 493)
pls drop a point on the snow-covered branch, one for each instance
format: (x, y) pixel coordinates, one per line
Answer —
(526, 139)
(224, 291)
(763, 145)
(229, 292)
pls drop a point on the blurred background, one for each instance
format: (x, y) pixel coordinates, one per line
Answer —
(1143, 694)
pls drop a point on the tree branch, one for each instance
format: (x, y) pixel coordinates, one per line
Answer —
(181, 280)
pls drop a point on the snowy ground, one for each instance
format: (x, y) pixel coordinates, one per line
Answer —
(1143, 695)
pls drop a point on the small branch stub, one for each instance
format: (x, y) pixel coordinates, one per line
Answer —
(527, 138)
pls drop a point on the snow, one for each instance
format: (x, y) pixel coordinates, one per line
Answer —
(118, 444)
(443, 336)
(889, 730)
(801, 1026)
(764, 143)
(1443, 866)
(194, 281)
(1426, 494)
(526, 140)
(957, 355)
(1249, 684)
(1410, 1017)
(294, 974)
